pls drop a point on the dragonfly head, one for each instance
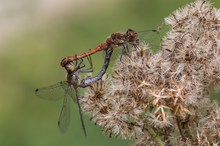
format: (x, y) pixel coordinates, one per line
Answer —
(70, 66)
(63, 62)
(131, 35)
(66, 61)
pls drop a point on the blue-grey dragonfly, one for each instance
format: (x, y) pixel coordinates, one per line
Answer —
(69, 89)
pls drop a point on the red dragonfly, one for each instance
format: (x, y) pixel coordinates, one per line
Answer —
(115, 40)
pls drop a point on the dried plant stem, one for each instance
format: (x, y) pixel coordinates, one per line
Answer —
(179, 127)
(154, 135)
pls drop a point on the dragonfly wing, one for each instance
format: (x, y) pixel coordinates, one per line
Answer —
(53, 92)
(153, 37)
(73, 93)
(64, 118)
(150, 37)
(70, 91)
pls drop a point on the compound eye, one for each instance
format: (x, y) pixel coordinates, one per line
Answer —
(63, 62)
(134, 33)
(131, 32)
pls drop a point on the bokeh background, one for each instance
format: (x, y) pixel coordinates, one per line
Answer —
(34, 36)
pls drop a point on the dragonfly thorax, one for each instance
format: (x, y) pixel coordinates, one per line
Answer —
(72, 73)
(72, 78)
(119, 39)
(116, 39)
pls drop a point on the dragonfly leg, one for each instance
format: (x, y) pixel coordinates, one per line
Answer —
(87, 70)
(89, 58)
(80, 65)
(124, 50)
(90, 69)
(136, 44)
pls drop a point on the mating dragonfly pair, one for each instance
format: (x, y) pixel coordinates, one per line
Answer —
(74, 66)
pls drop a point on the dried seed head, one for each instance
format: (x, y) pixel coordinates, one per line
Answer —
(191, 48)
(163, 93)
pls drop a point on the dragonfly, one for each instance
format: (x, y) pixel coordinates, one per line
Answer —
(114, 41)
(69, 89)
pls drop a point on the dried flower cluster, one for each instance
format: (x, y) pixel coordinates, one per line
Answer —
(163, 98)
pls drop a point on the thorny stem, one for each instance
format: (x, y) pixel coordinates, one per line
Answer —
(154, 135)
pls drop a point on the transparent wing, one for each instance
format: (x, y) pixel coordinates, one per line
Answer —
(151, 37)
(70, 91)
(53, 92)
(64, 118)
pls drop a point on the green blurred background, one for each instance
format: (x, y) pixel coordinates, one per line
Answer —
(35, 36)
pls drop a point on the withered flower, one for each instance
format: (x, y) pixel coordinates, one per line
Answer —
(162, 98)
